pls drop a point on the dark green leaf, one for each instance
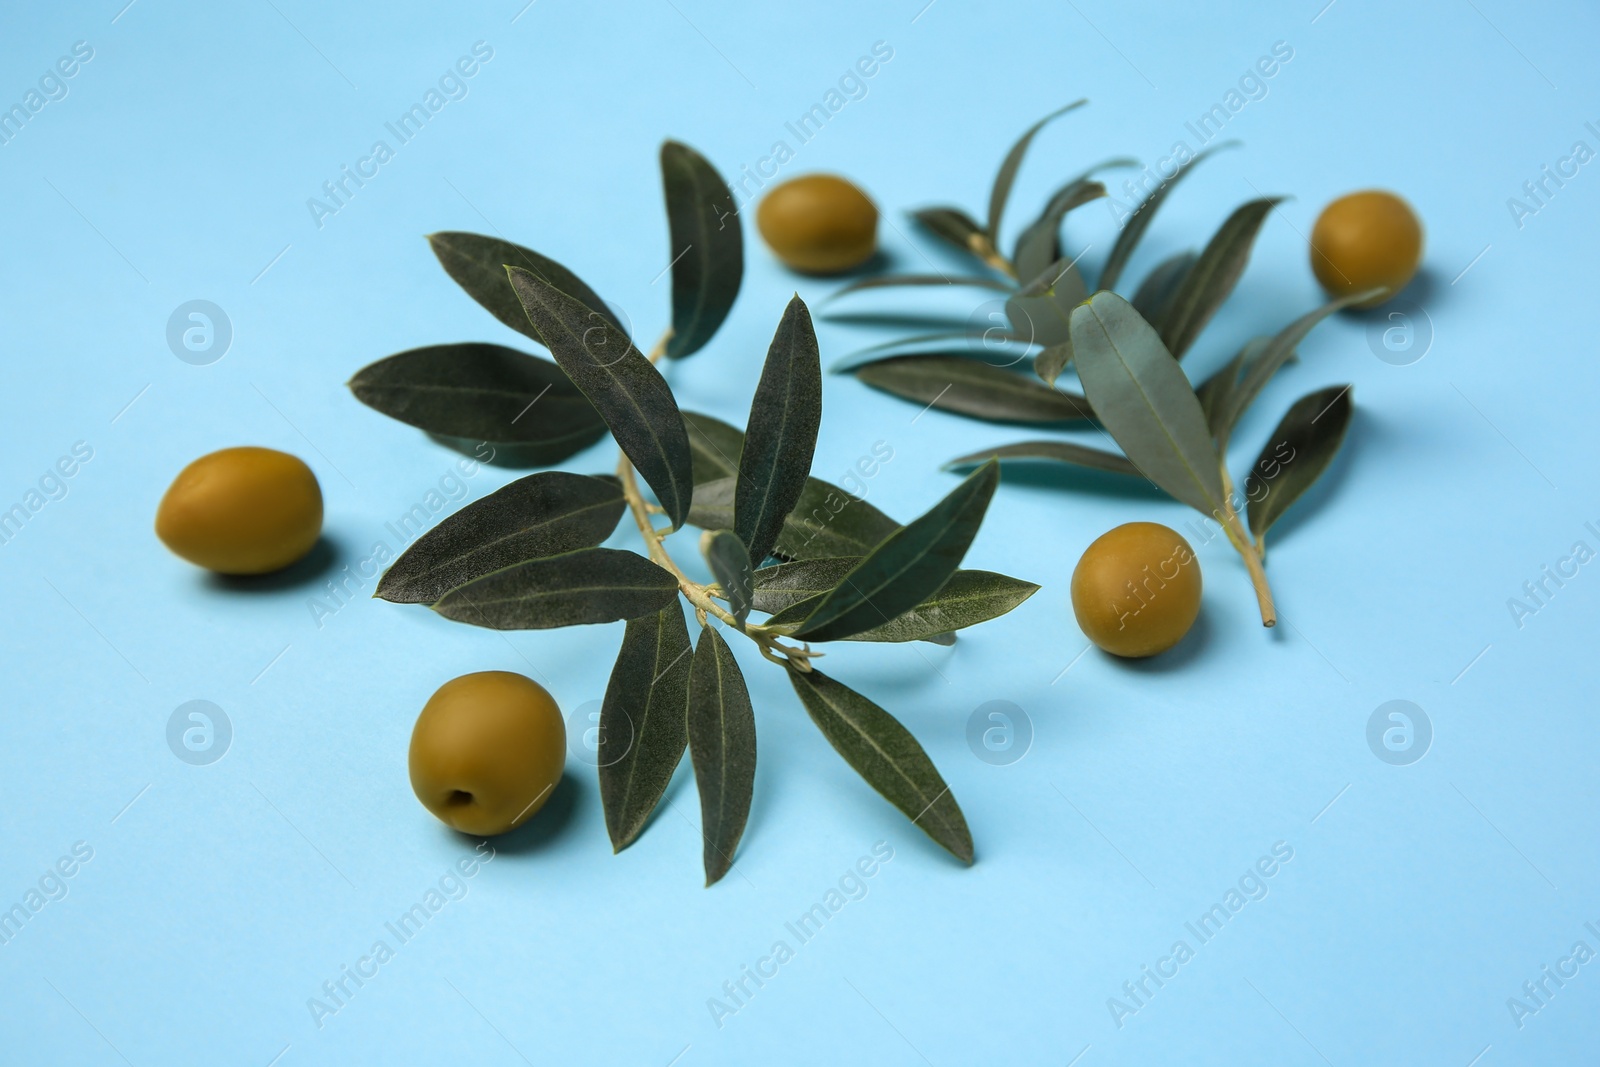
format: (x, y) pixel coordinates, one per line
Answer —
(629, 393)
(1144, 401)
(587, 586)
(483, 392)
(714, 445)
(1215, 393)
(1041, 310)
(1040, 244)
(543, 514)
(643, 721)
(781, 435)
(885, 754)
(910, 565)
(971, 387)
(707, 247)
(1207, 284)
(826, 522)
(966, 599)
(478, 265)
(1051, 361)
(722, 744)
(1155, 292)
(1296, 454)
(1007, 174)
(730, 566)
(787, 584)
(1139, 221)
(889, 280)
(953, 226)
(1258, 368)
(1056, 451)
(990, 342)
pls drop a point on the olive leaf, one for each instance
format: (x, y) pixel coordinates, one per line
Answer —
(1144, 401)
(986, 342)
(1257, 367)
(953, 226)
(483, 392)
(1041, 309)
(827, 521)
(1140, 220)
(1007, 175)
(707, 247)
(643, 721)
(971, 387)
(787, 584)
(782, 433)
(1311, 431)
(1212, 277)
(478, 265)
(895, 280)
(1215, 391)
(730, 565)
(590, 585)
(722, 744)
(1155, 292)
(908, 567)
(885, 754)
(1051, 361)
(543, 514)
(714, 447)
(966, 599)
(1040, 244)
(624, 387)
(1056, 451)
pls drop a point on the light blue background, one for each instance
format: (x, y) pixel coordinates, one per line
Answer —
(220, 900)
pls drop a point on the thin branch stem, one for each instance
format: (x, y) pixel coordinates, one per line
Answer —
(699, 596)
(1251, 552)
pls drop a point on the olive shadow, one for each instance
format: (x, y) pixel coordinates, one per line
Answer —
(548, 823)
(1179, 656)
(1425, 290)
(308, 570)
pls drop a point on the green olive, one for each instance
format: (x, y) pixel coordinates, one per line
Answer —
(1136, 591)
(242, 511)
(819, 224)
(1364, 240)
(486, 752)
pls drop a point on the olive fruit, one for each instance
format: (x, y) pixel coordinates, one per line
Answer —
(486, 752)
(1364, 240)
(1136, 591)
(242, 511)
(819, 224)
